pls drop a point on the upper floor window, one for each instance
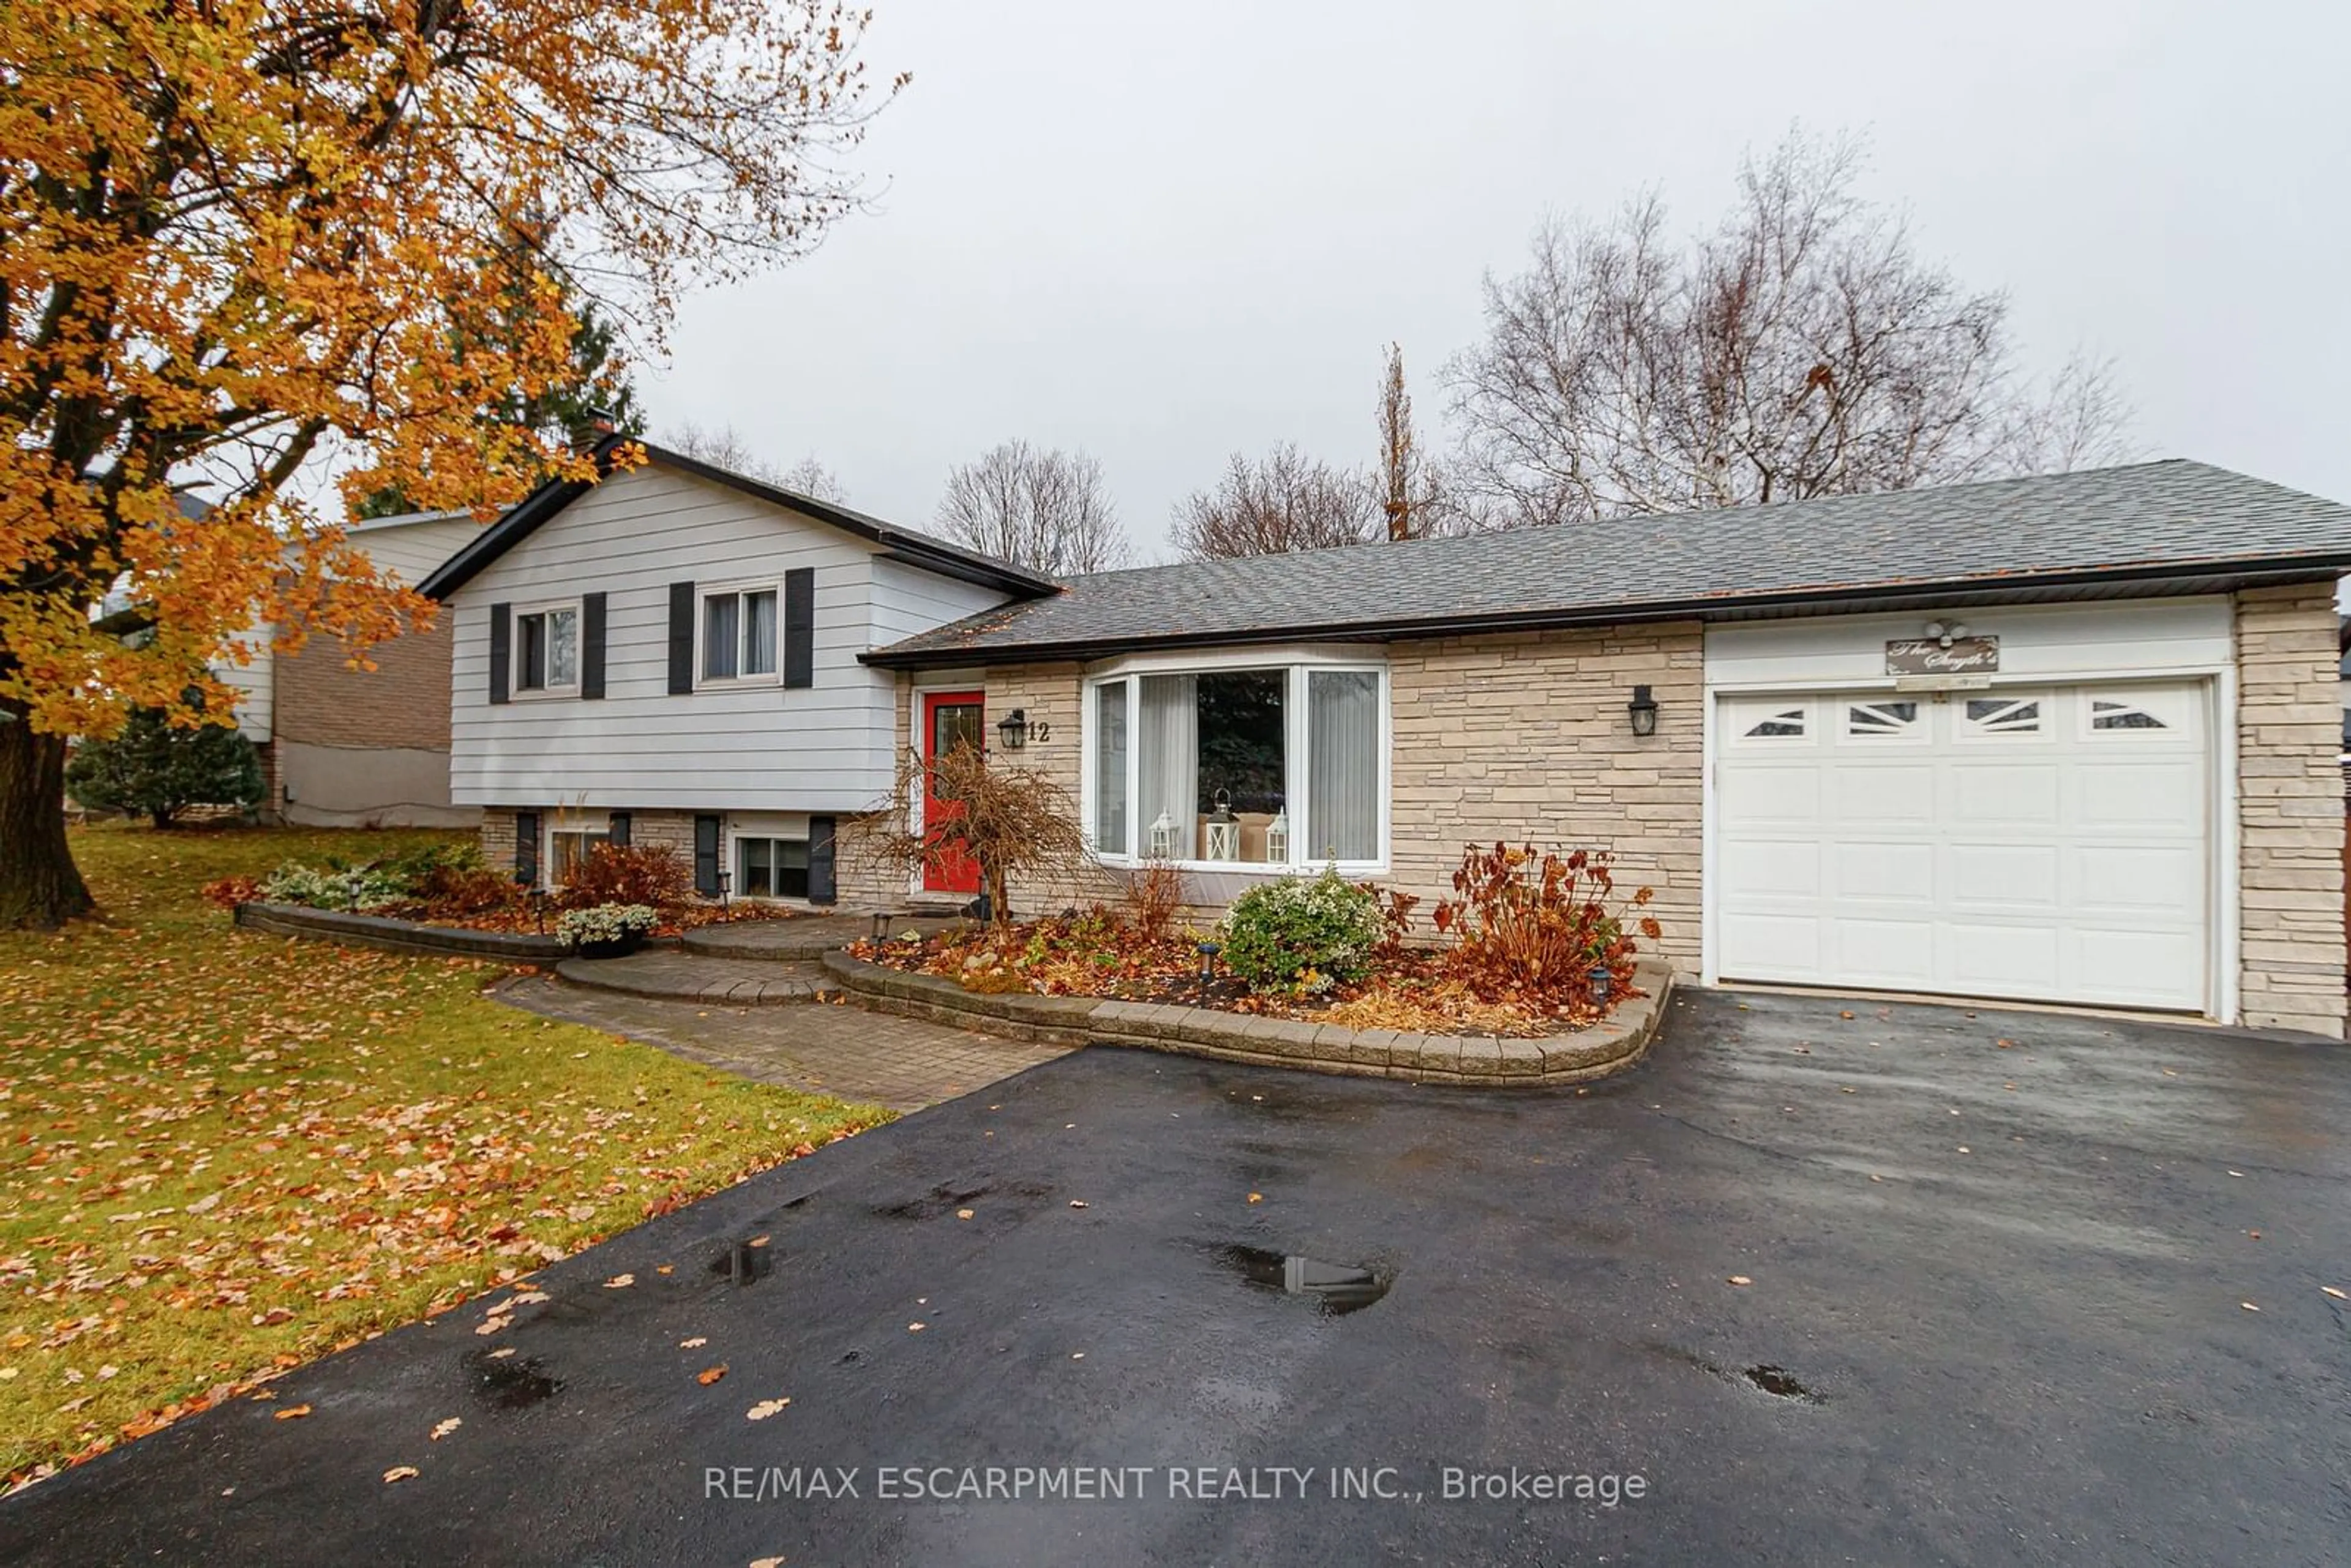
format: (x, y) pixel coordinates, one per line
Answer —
(547, 648)
(1283, 764)
(738, 634)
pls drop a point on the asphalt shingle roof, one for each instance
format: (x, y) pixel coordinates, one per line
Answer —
(2150, 521)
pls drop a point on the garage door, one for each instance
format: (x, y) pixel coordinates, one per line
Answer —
(2049, 846)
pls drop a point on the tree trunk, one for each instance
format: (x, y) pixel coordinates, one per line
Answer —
(38, 883)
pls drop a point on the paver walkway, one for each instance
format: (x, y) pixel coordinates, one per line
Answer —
(802, 936)
(670, 975)
(904, 1064)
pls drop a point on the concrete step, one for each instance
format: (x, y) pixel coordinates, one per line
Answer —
(802, 938)
(672, 976)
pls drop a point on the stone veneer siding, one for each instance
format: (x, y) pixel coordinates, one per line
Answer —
(2290, 809)
(1522, 738)
(1525, 738)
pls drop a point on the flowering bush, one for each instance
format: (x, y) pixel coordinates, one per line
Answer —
(333, 886)
(605, 923)
(1302, 936)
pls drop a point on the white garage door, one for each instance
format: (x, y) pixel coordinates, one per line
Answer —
(2050, 845)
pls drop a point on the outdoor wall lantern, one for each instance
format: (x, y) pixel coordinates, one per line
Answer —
(1276, 839)
(1602, 980)
(1014, 727)
(1643, 711)
(1162, 838)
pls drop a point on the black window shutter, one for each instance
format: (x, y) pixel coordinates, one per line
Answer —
(705, 856)
(821, 888)
(527, 848)
(681, 638)
(799, 626)
(617, 833)
(501, 649)
(591, 645)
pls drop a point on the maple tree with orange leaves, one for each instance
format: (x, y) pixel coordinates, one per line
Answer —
(299, 252)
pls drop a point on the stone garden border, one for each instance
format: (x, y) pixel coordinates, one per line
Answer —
(413, 937)
(1607, 1047)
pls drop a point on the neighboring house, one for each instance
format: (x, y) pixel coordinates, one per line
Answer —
(345, 747)
(2064, 740)
(673, 656)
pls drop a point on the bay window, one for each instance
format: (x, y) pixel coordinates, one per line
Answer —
(1277, 764)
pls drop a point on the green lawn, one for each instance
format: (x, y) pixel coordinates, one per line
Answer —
(223, 1153)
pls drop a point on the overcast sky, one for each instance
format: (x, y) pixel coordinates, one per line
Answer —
(1164, 234)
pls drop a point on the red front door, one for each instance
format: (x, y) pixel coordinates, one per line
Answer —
(949, 719)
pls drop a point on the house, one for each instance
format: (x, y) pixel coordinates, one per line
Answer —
(347, 747)
(675, 655)
(2064, 740)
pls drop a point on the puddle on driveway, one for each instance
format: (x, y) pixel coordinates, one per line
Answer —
(1336, 1287)
(510, 1383)
(743, 1263)
(1777, 1382)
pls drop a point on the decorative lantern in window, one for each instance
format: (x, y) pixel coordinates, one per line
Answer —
(1276, 839)
(1162, 839)
(1224, 831)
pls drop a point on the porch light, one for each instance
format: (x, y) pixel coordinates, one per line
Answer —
(1602, 980)
(1276, 839)
(1162, 839)
(1643, 711)
(1014, 727)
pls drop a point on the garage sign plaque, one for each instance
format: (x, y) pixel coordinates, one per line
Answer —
(1933, 656)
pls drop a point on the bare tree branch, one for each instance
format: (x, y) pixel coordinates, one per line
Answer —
(1283, 501)
(1801, 349)
(1045, 509)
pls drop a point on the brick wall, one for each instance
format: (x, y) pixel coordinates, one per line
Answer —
(1525, 738)
(647, 829)
(402, 702)
(2290, 809)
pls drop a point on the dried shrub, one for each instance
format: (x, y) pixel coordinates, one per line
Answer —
(1534, 926)
(628, 873)
(1013, 821)
(1154, 893)
(464, 890)
(1395, 918)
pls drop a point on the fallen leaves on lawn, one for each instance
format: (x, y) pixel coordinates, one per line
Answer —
(1257, 1198)
(229, 1152)
(401, 1473)
(1741, 1279)
(442, 1428)
(291, 1413)
(916, 1328)
(697, 1342)
(619, 1282)
(963, 1214)
(765, 1408)
(710, 1375)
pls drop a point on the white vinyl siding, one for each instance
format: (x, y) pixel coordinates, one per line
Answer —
(734, 746)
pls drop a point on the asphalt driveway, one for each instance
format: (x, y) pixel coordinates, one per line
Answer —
(2001, 1271)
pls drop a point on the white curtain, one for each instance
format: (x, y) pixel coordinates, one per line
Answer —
(1110, 770)
(1342, 753)
(760, 633)
(1169, 761)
